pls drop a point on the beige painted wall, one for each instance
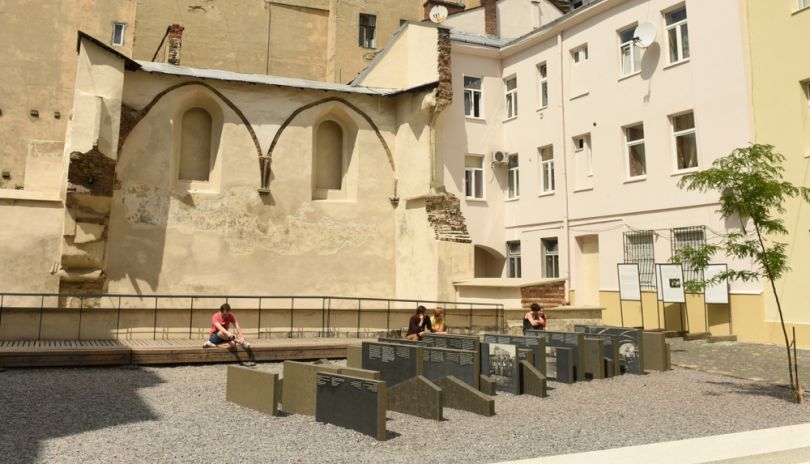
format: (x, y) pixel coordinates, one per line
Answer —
(30, 240)
(414, 51)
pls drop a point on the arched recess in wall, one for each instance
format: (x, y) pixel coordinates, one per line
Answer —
(488, 262)
(197, 131)
(348, 105)
(334, 167)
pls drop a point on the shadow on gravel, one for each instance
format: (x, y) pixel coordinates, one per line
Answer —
(41, 404)
(756, 389)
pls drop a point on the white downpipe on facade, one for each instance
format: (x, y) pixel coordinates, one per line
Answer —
(564, 151)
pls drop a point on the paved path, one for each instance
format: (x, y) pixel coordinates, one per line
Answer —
(763, 363)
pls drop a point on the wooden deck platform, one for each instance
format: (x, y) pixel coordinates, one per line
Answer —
(57, 353)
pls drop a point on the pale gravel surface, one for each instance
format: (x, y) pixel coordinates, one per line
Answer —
(167, 414)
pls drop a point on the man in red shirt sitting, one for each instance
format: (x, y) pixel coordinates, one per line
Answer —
(220, 322)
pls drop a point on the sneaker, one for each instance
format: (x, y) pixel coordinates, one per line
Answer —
(208, 344)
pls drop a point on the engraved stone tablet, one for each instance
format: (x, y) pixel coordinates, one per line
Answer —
(352, 403)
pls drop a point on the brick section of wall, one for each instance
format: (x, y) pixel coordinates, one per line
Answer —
(490, 16)
(444, 215)
(548, 295)
(175, 37)
(444, 92)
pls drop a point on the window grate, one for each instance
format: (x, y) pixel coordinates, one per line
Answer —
(639, 248)
(694, 237)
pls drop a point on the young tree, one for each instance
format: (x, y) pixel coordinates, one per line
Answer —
(753, 191)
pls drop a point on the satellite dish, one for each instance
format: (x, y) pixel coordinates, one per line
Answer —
(438, 14)
(644, 35)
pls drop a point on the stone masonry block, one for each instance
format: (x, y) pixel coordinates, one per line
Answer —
(488, 385)
(418, 397)
(459, 395)
(354, 356)
(87, 232)
(299, 386)
(533, 381)
(360, 373)
(252, 389)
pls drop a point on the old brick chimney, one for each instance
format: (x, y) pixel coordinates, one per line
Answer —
(452, 7)
(490, 16)
(175, 42)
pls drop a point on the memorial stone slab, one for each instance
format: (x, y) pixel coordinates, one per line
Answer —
(631, 345)
(354, 356)
(459, 395)
(534, 382)
(299, 386)
(361, 373)
(536, 344)
(573, 341)
(500, 362)
(395, 363)
(352, 403)
(594, 358)
(655, 351)
(562, 364)
(418, 397)
(487, 385)
(252, 389)
(456, 342)
(405, 341)
(462, 364)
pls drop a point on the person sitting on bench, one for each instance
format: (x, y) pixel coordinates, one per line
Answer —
(220, 322)
(419, 324)
(535, 319)
(437, 322)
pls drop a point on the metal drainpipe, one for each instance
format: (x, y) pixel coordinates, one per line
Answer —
(566, 229)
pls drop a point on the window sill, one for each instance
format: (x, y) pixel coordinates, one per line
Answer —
(546, 194)
(578, 96)
(685, 171)
(510, 119)
(473, 118)
(677, 63)
(475, 200)
(800, 10)
(635, 179)
(542, 108)
(511, 200)
(583, 189)
(628, 76)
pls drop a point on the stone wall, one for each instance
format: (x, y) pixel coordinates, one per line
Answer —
(548, 295)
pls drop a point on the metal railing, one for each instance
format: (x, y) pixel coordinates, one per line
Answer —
(113, 316)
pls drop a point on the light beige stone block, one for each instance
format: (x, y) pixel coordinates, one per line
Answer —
(87, 232)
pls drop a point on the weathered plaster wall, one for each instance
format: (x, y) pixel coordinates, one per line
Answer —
(30, 245)
(414, 51)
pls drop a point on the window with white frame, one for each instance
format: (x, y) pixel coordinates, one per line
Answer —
(367, 36)
(683, 129)
(580, 54)
(630, 52)
(582, 147)
(513, 177)
(551, 258)
(472, 96)
(513, 259)
(677, 35)
(546, 169)
(118, 34)
(511, 97)
(804, 4)
(636, 155)
(542, 79)
(474, 177)
(806, 88)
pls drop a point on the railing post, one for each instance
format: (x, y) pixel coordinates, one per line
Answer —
(118, 320)
(292, 309)
(388, 320)
(41, 311)
(81, 307)
(190, 317)
(2, 297)
(471, 317)
(259, 329)
(359, 306)
(154, 322)
(329, 316)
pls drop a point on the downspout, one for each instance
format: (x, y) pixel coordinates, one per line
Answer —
(566, 227)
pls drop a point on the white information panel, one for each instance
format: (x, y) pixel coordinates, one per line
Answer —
(658, 290)
(717, 293)
(672, 283)
(629, 283)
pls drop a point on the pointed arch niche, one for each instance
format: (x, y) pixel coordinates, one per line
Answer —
(197, 131)
(334, 156)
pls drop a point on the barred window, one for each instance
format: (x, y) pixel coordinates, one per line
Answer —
(368, 31)
(694, 237)
(639, 248)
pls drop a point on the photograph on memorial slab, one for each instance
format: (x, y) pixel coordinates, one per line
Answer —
(536, 344)
(500, 362)
(629, 341)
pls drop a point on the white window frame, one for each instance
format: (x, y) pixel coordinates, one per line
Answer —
(123, 27)
(634, 50)
(579, 54)
(365, 30)
(474, 172)
(802, 4)
(628, 144)
(554, 255)
(676, 134)
(472, 92)
(510, 96)
(542, 84)
(583, 143)
(513, 261)
(546, 171)
(806, 89)
(513, 177)
(679, 28)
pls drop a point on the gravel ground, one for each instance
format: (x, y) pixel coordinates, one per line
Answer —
(168, 414)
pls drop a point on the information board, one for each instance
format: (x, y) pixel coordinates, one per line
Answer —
(717, 293)
(671, 279)
(629, 283)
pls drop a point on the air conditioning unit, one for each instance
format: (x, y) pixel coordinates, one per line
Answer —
(499, 158)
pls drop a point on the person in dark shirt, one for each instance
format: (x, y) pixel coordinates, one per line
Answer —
(419, 324)
(535, 319)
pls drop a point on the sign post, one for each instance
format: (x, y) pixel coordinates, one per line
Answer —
(671, 280)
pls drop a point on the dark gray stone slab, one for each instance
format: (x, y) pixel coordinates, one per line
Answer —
(594, 358)
(405, 341)
(561, 364)
(631, 345)
(352, 403)
(462, 364)
(573, 341)
(459, 395)
(361, 373)
(533, 381)
(500, 362)
(487, 385)
(536, 344)
(252, 389)
(456, 342)
(418, 397)
(395, 363)
(299, 386)
(654, 353)
(354, 356)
